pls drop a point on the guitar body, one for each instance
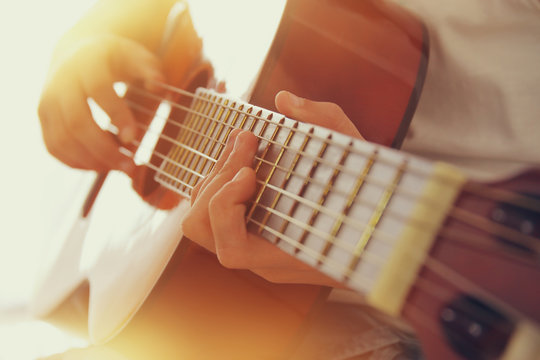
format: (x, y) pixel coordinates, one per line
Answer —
(149, 293)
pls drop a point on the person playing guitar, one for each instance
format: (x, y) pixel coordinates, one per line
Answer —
(478, 116)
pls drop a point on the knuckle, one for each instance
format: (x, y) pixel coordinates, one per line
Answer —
(188, 225)
(75, 125)
(273, 278)
(230, 259)
(334, 109)
(227, 201)
(51, 147)
(217, 205)
(60, 143)
(43, 110)
(117, 113)
(97, 87)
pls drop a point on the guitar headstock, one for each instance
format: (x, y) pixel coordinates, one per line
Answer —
(478, 294)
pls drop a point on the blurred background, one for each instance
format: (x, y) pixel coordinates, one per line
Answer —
(35, 189)
(28, 32)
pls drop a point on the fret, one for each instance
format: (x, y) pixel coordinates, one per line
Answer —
(164, 157)
(350, 201)
(267, 147)
(255, 120)
(374, 221)
(277, 129)
(331, 201)
(288, 175)
(305, 184)
(206, 141)
(194, 131)
(168, 166)
(307, 227)
(223, 124)
(245, 116)
(182, 152)
(230, 129)
(339, 220)
(322, 199)
(343, 217)
(196, 144)
(257, 167)
(220, 140)
(219, 144)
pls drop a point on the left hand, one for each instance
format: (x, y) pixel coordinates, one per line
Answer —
(216, 220)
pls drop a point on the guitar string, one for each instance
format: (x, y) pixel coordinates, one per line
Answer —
(500, 195)
(309, 251)
(294, 243)
(282, 215)
(248, 114)
(511, 235)
(432, 288)
(367, 255)
(341, 168)
(370, 256)
(486, 244)
(467, 285)
(446, 273)
(377, 234)
(312, 180)
(317, 254)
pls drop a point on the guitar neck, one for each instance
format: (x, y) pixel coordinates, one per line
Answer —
(355, 210)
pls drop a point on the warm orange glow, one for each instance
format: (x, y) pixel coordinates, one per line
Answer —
(36, 190)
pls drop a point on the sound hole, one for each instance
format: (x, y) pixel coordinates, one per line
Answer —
(474, 329)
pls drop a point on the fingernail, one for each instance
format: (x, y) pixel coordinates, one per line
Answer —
(238, 142)
(127, 135)
(231, 139)
(296, 100)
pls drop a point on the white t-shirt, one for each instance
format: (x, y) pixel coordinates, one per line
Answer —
(480, 106)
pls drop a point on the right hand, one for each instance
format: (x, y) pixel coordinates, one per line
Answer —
(90, 70)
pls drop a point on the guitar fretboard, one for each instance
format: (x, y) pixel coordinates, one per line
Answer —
(336, 202)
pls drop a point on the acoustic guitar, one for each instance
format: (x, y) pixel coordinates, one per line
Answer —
(457, 259)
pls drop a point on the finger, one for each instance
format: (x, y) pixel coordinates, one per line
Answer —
(237, 249)
(195, 191)
(100, 88)
(59, 142)
(324, 114)
(218, 166)
(87, 134)
(227, 211)
(234, 247)
(300, 273)
(196, 224)
(241, 155)
(131, 61)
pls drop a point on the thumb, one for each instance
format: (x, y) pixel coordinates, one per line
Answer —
(131, 61)
(326, 114)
